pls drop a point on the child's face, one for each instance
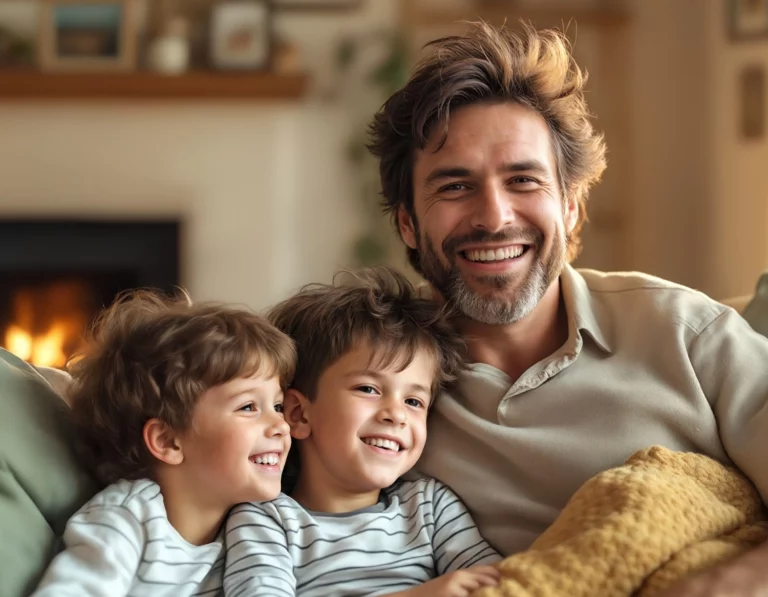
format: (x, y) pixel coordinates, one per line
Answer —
(368, 426)
(238, 441)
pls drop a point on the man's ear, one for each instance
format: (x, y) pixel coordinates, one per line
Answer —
(296, 407)
(407, 229)
(163, 442)
(571, 213)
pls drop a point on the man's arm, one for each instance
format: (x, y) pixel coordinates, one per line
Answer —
(731, 362)
(102, 551)
(258, 562)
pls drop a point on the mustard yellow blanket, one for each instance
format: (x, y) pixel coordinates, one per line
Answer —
(636, 529)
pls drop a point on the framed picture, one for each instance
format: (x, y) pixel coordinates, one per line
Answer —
(316, 5)
(747, 19)
(77, 35)
(241, 34)
(752, 102)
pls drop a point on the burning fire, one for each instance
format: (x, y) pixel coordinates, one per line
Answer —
(47, 322)
(46, 350)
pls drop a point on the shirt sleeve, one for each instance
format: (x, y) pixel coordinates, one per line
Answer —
(102, 550)
(258, 561)
(456, 542)
(731, 363)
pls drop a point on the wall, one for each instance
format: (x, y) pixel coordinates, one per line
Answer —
(740, 175)
(265, 191)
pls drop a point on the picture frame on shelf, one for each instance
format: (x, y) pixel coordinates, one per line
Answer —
(752, 99)
(87, 35)
(747, 19)
(316, 5)
(241, 35)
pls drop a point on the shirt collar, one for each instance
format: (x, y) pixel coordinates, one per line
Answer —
(584, 312)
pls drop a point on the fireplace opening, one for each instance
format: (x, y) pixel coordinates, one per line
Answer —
(56, 276)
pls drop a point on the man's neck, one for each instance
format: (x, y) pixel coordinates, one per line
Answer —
(198, 523)
(515, 348)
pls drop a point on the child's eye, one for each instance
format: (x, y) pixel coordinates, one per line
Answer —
(279, 408)
(366, 389)
(417, 402)
(249, 408)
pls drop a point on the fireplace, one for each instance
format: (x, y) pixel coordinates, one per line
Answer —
(55, 276)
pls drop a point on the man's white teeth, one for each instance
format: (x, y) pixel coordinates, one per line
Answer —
(271, 459)
(495, 254)
(387, 444)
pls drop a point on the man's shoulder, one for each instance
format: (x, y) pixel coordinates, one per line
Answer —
(646, 295)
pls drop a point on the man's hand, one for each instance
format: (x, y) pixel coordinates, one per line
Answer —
(745, 576)
(460, 583)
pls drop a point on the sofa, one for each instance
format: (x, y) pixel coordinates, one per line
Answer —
(41, 484)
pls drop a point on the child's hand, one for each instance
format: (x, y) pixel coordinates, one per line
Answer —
(460, 583)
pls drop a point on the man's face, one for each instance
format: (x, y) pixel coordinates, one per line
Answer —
(490, 222)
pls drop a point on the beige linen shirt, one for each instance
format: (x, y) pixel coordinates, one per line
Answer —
(647, 362)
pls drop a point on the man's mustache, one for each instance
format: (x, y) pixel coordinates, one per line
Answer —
(530, 236)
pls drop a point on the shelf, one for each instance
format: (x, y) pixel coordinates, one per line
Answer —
(197, 85)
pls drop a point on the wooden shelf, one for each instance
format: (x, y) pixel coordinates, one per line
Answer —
(197, 85)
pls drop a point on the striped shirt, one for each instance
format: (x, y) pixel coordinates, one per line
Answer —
(419, 530)
(121, 543)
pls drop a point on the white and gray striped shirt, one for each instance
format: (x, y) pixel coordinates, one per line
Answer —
(418, 531)
(121, 544)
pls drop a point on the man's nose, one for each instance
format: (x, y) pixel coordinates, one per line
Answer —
(492, 208)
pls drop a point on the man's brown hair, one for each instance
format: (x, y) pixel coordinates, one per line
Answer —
(152, 356)
(379, 307)
(487, 65)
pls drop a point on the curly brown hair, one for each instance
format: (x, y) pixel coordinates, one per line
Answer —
(380, 307)
(489, 65)
(152, 356)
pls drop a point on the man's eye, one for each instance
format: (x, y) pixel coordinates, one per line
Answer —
(454, 186)
(279, 408)
(366, 389)
(524, 180)
(416, 402)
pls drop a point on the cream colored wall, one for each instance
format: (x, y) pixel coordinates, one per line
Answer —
(265, 192)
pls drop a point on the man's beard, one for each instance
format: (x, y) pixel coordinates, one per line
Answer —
(504, 305)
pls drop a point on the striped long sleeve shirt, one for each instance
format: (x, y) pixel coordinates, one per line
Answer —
(419, 530)
(121, 544)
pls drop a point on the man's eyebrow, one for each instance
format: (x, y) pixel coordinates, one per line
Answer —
(461, 172)
(447, 172)
(525, 166)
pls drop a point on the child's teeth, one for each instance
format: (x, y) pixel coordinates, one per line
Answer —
(387, 444)
(271, 459)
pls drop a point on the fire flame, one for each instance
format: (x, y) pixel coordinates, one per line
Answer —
(47, 322)
(46, 350)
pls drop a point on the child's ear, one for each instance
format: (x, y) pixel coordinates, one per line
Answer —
(162, 442)
(296, 407)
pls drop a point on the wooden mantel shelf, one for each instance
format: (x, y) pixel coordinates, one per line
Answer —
(197, 85)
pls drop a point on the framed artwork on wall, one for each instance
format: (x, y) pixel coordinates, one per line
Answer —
(752, 102)
(316, 5)
(79, 35)
(747, 19)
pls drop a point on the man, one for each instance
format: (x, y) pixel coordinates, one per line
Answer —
(487, 156)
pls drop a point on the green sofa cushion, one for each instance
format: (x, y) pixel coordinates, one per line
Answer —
(41, 484)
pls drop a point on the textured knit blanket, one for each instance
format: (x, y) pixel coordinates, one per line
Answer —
(638, 528)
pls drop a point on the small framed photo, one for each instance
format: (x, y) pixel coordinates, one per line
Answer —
(747, 19)
(753, 102)
(78, 35)
(316, 5)
(241, 35)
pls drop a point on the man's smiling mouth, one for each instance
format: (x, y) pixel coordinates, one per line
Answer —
(491, 255)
